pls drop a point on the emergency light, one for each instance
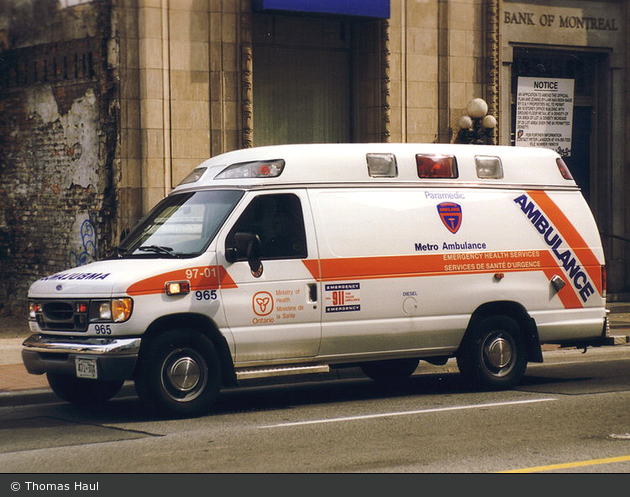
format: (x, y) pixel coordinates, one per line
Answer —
(436, 166)
(255, 169)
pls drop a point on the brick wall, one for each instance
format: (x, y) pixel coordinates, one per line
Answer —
(57, 140)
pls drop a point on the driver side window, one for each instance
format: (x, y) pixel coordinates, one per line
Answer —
(277, 220)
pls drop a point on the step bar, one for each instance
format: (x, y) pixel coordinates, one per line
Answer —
(268, 372)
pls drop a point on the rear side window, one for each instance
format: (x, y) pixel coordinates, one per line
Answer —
(277, 220)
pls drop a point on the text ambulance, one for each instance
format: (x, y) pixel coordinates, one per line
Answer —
(301, 258)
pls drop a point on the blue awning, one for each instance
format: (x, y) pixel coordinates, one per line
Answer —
(362, 8)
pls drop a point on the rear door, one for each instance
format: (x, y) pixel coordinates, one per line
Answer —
(274, 314)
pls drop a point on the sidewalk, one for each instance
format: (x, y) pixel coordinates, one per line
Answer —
(13, 375)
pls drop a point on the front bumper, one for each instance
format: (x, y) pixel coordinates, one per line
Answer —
(115, 357)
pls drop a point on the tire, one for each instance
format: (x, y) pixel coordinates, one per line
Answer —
(494, 356)
(179, 374)
(389, 371)
(83, 391)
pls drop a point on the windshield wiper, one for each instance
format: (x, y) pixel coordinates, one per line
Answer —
(158, 249)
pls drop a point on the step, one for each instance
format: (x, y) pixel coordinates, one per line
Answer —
(267, 372)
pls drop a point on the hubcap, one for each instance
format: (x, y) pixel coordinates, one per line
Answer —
(498, 353)
(184, 374)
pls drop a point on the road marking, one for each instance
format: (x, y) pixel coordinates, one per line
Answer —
(569, 465)
(407, 413)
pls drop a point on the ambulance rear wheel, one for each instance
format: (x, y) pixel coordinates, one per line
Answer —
(179, 374)
(392, 370)
(494, 355)
(82, 390)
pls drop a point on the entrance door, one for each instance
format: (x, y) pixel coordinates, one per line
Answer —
(302, 80)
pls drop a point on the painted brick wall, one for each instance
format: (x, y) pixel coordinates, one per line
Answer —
(57, 140)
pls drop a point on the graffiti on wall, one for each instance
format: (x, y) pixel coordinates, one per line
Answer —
(82, 242)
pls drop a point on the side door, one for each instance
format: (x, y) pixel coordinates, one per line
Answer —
(272, 310)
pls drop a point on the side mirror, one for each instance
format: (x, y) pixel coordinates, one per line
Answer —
(248, 245)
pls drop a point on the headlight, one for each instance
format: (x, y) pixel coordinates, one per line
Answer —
(114, 310)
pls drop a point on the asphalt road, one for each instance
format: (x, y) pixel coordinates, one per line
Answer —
(571, 414)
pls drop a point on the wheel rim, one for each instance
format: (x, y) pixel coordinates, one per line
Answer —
(499, 353)
(184, 374)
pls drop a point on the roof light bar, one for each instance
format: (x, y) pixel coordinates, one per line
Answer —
(255, 169)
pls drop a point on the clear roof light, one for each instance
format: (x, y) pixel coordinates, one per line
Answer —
(382, 165)
(193, 176)
(488, 167)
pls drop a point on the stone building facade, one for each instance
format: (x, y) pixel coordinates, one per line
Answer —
(105, 105)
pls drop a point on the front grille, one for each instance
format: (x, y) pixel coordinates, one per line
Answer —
(58, 311)
(63, 315)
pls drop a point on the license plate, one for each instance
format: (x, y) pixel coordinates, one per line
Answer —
(86, 367)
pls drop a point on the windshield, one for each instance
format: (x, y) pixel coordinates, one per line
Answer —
(180, 225)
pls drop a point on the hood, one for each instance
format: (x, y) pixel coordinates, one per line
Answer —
(105, 278)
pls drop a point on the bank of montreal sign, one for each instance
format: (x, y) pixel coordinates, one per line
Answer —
(363, 8)
(544, 113)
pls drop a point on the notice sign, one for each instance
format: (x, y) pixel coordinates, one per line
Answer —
(544, 113)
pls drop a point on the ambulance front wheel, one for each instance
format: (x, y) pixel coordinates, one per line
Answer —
(494, 354)
(82, 390)
(179, 374)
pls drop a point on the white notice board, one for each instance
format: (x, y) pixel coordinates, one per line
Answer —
(544, 113)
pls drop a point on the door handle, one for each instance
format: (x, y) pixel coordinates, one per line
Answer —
(312, 292)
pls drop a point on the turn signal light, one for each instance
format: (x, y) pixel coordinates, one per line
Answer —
(177, 287)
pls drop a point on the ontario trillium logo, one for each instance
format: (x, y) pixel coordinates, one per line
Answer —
(262, 302)
(451, 215)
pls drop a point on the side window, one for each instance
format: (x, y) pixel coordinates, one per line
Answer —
(278, 222)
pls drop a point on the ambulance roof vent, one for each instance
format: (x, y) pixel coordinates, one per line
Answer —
(488, 167)
(382, 165)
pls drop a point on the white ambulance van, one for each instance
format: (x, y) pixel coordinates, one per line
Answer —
(302, 258)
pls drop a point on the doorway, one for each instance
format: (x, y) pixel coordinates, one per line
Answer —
(302, 80)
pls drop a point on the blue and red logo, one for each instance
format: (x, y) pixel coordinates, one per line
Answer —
(451, 215)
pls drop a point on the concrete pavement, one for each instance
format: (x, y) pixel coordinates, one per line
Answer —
(14, 378)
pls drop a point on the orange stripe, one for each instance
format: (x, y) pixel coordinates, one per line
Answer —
(201, 278)
(571, 235)
(408, 266)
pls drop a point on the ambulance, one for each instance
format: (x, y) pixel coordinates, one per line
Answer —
(295, 259)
